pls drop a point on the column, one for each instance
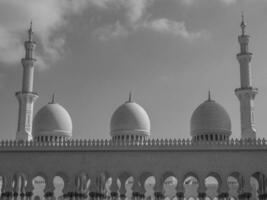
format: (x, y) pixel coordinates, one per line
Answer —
(93, 189)
(114, 188)
(8, 194)
(223, 189)
(68, 190)
(49, 189)
(122, 189)
(180, 189)
(262, 187)
(245, 188)
(138, 190)
(158, 188)
(201, 189)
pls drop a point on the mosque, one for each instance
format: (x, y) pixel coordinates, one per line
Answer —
(44, 162)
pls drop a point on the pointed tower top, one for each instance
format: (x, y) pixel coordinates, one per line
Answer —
(52, 99)
(130, 97)
(243, 24)
(209, 96)
(30, 32)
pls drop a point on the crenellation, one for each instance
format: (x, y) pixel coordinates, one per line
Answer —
(149, 144)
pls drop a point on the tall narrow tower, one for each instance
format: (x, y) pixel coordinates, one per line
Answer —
(246, 93)
(26, 97)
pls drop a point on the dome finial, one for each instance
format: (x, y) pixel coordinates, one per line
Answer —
(243, 24)
(130, 96)
(30, 32)
(53, 99)
(209, 98)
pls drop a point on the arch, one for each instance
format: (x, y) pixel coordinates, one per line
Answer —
(166, 175)
(235, 174)
(261, 179)
(149, 186)
(191, 184)
(147, 182)
(190, 174)
(63, 175)
(216, 176)
(212, 183)
(144, 176)
(59, 185)
(233, 182)
(169, 183)
(39, 173)
(126, 183)
(39, 185)
(129, 186)
(258, 184)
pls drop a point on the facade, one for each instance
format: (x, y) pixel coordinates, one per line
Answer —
(45, 162)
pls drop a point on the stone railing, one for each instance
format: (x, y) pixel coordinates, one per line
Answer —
(151, 144)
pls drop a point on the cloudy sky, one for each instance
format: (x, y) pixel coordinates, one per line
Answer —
(169, 53)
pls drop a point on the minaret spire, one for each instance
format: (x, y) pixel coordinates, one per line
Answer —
(130, 96)
(30, 32)
(53, 99)
(26, 97)
(243, 24)
(246, 93)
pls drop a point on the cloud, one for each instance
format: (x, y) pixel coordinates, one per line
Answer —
(191, 2)
(50, 16)
(137, 18)
(133, 13)
(136, 9)
(228, 2)
(110, 31)
(162, 25)
(188, 2)
(176, 28)
(10, 47)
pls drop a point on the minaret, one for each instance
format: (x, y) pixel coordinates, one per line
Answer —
(246, 93)
(26, 97)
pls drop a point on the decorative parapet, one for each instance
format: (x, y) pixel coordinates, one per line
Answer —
(146, 145)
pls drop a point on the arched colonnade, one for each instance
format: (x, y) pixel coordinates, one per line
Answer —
(126, 185)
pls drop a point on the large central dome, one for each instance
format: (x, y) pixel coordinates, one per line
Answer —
(130, 121)
(210, 121)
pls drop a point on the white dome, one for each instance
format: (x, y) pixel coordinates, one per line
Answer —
(211, 118)
(130, 118)
(52, 120)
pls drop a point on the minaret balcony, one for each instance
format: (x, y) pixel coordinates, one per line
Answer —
(244, 56)
(243, 39)
(31, 96)
(26, 93)
(247, 91)
(27, 62)
(30, 45)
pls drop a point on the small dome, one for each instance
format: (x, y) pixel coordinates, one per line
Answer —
(130, 119)
(52, 120)
(210, 118)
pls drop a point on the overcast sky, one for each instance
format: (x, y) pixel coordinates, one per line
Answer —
(169, 53)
